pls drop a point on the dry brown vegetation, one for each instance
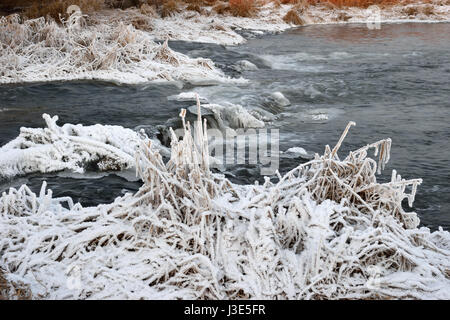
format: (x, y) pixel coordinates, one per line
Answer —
(411, 11)
(343, 16)
(428, 10)
(194, 7)
(354, 3)
(13, 291)
(415, 10)
(147, 10)
(202, 3)
(10, 6)
(44, 8)
(56, 8)
(169, 8)
(222, 7)
(242, 8)
(48, 8)
(293, 17)
(292, 1)
(166, 8)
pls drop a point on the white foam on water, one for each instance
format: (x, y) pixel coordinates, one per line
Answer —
(292, 62)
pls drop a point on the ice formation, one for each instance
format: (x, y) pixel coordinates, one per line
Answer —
(244, 65)
(297, 150)
(326, 229)
(233, 116)
(279, 99)
(68, 147)
(189, 96)
(40, 50)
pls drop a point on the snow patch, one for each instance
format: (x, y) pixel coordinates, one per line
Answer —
(190, 96)
(297, 150)
(68, 147)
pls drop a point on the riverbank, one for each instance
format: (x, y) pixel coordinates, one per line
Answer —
(123, 46)
(211, 27)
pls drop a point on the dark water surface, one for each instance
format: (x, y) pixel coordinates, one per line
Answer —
(393, 82)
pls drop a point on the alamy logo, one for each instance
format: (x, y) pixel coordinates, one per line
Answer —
(73, 274)
(374, 19)
(243, 146)
(373, 282)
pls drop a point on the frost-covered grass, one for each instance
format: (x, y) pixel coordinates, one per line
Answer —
(69, 147)
(213, 22)
(13, 291)
(42, 50)
(77, 148)
(326, 230)
(119, 45)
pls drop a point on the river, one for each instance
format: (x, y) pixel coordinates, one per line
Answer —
(393, 82)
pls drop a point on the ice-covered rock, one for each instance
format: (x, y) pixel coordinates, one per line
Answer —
(244, 65)
(297, 152)
(190, 96)
(279, 99)
(231, 115)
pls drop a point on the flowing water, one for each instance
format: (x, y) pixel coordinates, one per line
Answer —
(393, 82)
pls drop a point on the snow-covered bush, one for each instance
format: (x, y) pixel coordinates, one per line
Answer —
(327, 229)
